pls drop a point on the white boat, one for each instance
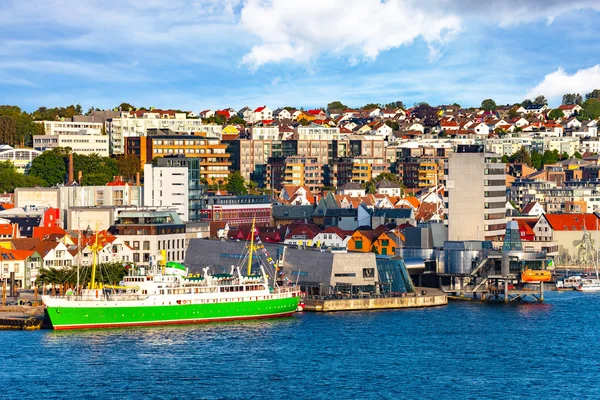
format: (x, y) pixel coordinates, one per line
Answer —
(569, 282)
(589, 285)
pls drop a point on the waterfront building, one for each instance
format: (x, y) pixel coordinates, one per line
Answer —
(237, 210)
(195, 187)
(167, 187)
(475, 195)
(149, 232)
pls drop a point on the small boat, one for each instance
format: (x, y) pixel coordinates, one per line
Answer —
(589, 285)
(568, 282)
(536, 275)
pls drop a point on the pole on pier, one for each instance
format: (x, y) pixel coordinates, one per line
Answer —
(35, 289)
(541, 291)
(3, 292)
(506, 290)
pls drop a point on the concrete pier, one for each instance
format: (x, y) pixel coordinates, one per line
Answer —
(432, 298)
(21, 318)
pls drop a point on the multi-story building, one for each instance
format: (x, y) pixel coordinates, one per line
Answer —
(237, 210)
(475, 195)
(422, 172)
(72, 128)
(167, 187)
(354, 169)
(85, 144)
(269, 132)
(295, 171)
(214, 160)
(137, 124)
(149, 232)
(318, 132)
(196, 189)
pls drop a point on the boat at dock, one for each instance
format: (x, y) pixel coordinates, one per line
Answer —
(170, 296)
(568, 282)
(589, 285)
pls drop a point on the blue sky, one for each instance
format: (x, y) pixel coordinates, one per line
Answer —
(219, 53)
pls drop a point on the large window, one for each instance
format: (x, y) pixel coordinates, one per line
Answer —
(358, 244)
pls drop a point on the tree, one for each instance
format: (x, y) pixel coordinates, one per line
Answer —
(426, 114)
(387, 175)
(577, 155)
(370, 187)
(521, 156)
(594, 94)
(235, 184)
(304, 122)
(536, 160)
(16, 126)
(505, 159)
(10, 178)
(237, 120)
(336, 105)
(488, 105)
(541, 99)
(129, 165)
(591, 109)
(512, 113)
(556, 114)
(49, 166)
(526, 103)
(95, 170)
(370, 106)
(251, 185)
(395, 104)
(392, 124)
(126, 107)
(550, 157)
(572, 98)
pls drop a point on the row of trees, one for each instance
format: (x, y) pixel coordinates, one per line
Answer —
(338, 105)
(106, 273)
(537, 160)
(50, 168)
(371, 186)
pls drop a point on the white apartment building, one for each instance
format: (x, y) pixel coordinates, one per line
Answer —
(130, 125)
(265, 133)
(72, 128)
(567, 145)
(85, 144)
(167, 187)
(507, 146)
(475, 195)
(21, 158)
(319, 132)
(261, 114)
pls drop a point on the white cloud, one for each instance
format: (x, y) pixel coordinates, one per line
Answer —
(559, 82)
(301, 31)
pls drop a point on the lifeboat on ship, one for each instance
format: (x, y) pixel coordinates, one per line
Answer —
(535, 275)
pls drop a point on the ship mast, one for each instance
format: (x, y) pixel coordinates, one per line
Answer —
(251, 247)
(95, 259)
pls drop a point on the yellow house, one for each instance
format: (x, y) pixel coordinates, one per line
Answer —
(364, 129)
(302, 115)
(230, 130)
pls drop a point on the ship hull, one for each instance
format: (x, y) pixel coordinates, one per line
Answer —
(99, 315)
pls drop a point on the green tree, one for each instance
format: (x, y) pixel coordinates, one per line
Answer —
(237, 120)
(10, 178)
(336, 105)
(389, 176)
(392, 124)
(505, 159)
(371, 106)
(594, 94)
(235, 184)
(536, 160)
(95, 170)
(370, 187)
(572, 98)
(556, 114)
(526, 103)
(129, 165)
(50, 167)
(577, 155)
(541, 99)
(564, 156)
(550, 157)
(512, 113)
(591, 109)
(304, 122)
(488, 105)
(126, 107)
(16, 127)
(395, 104)
(252, 187)
(521, 156)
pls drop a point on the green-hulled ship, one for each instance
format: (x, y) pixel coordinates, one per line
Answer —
(169, 296)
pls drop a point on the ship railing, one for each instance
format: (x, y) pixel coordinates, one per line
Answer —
(286, 289)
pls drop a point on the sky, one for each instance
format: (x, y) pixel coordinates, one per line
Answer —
(209, 54)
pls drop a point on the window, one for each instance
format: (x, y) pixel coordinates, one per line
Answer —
(146, 245)
(136, 245)
(368, 272)
(345, 274)
(136, 257)
(358, 244)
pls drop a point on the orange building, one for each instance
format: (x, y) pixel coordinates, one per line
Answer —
(214, 160)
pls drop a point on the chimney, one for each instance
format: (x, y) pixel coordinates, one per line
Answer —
(71, 174)
(137, 179)
(79, 175)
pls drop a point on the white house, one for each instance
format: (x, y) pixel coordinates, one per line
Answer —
(282, 113)
(533, 209)
(352, 189)
(262, 113)
(481, 129)
(570, 109)
(332, 237)
(55, 255)
(115, 250)
(389, 188)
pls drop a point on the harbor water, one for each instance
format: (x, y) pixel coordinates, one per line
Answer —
(466, 350)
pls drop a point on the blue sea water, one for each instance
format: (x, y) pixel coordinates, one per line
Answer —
(466, 350)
